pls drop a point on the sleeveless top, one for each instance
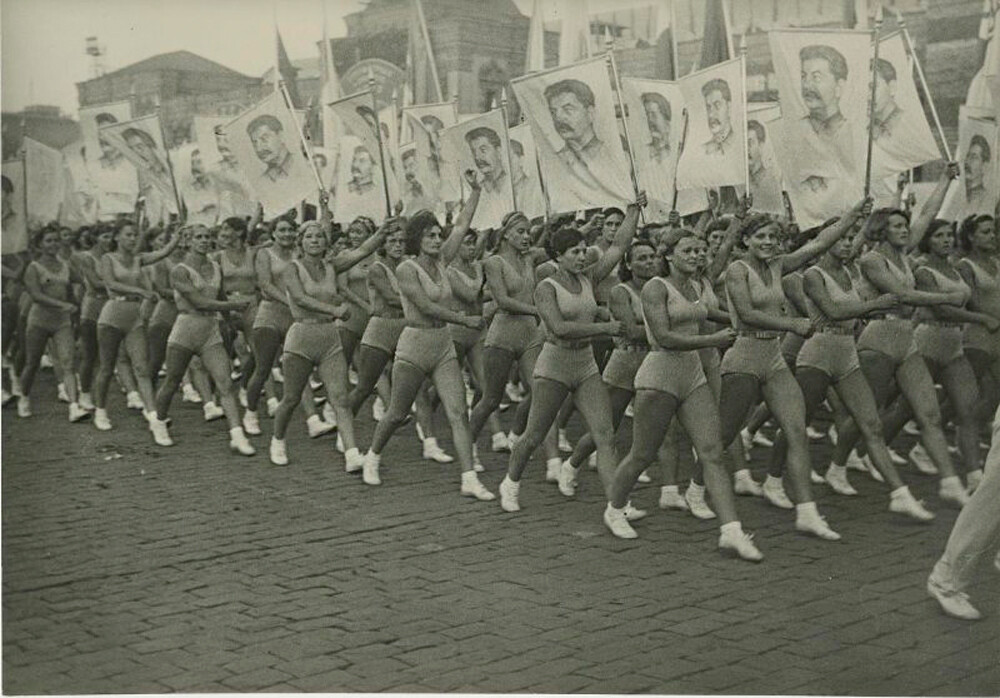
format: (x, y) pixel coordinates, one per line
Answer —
(380, 307)
(868, 290)
(132, 276)
(206, 287)
(89, 287)
(356, 278)
(324, 290)
(239, 278)
(54, 284)
(523, 286)
(278, 266)
(437, 291)
(574, 307)
(471, 283)
(636, 304)
(945, 284)
(837, 295)
(685, 316)
(987, 288)
(764, 297)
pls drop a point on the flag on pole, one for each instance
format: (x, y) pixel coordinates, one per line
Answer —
(423, 77)
(13, 216)
(140, 141)
(46, 182)
(113, 176)
(571, 111)
(535, 59)
(481, 145)
(79, 205)
(574, 36)
(717, 41)
(285, 71)
(435, 118)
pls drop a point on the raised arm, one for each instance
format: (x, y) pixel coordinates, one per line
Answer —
(824, 241)
(932, 206)
(626, 231)
(147, 258)
(814, 285)
(548, 310)
(180, 279)
(493, 268)
(738, 288)
(721, 259)
(348, 258)
(410, 286)
(451, 244)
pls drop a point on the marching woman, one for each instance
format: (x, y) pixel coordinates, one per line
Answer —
(314, 341)
(239, 283)
(425, 349)
(829, 358)
(94, 297)
(354, 289)
(120, 321)
(197, 285)
(887, 347)
(47, 279)
(566, 365)
(672, 381)
(754, 363)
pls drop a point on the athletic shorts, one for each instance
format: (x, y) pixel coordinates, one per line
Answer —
(90, 307)
(465, 337)
(571, 367)
(48, 318)
(940, 344)
(165, 313)
(123, 315)
(833, 354)
(760, 358)
(514, 333)
(427, 348)
(621, 368)
(315, 342)
(893, 337)
(677, 373)
(272, 315)
(196, 333)
(383, 333)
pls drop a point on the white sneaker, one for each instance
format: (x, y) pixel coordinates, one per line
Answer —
(242, 396)
(46, 362)
(872, 470)
(953, 602)
(251, 424)
(514, 394)
(509, 491)
(740, 543)
(633, 513)
(352, 376)
(836, 478)
(951, 490)
(5, 397)
(815, 525)
(329, 414)
(833, 434)
(134, 401)
(564, 445)
(238, 442)
(644, 477)
(747, 441)
(815, 434)
(277, 375)
(512, 439)
(160, 433)
(617, 523)
(15, 383)
(671, 498)
(902, 501)
(369, 469)
(854, 462)
(592, 461)
(434, 452)
(272, 406)
(101, 421)
(566, 478)
(317, 427)
(552, 468)
(61, 393)
(278, 452)
(922, 460)
(76, 413)
(24, 407)
(743, 483)
(86, 402)
(695, 498)
(189, 394)
(630, 411)
(340, 444)
(353, 461)
(774, 492)
(759, 439)
(472, 487)
(378, 409)
(499, 442)
(212, 411)
(911, 428)
(815, 478)
(896, 458)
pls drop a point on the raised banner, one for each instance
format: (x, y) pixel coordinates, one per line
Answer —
(46, 182)
(435, 118)
(821, 140)
(264, 142)
(113, 176)
(140, 141)
(976, 190)
(13, 216)
(356, 118)
(481, 145)
(524, 172)
(197, 189)
(359, 189)
(80, 194)
(571, 111)
(421, 165)
(765, 174)
(715, 146)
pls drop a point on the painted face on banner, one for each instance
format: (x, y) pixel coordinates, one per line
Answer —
(657, 116)
(142, 144)
(362, 166)
(717, 109)
(573, 120)
(268, 144)
(822, 80)
(754, 144)
(976, 158)
(486, 157)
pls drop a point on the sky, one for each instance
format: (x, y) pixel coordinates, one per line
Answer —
(42, 53)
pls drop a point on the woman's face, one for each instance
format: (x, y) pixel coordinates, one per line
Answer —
(897, 232)
(942, 241)
(645, 264)
(50, 242)
(518, 235)
(105, 239)
(395, 245)
(764, 242)
(67, 237)
(611, 225)
(574, 259)
(687, 254)
(356, 235)
(430, 243)
(284, 234)
(314, 241)
(715, 239)
(841, 249)
(126, 238)
(201, 240)
(227, 237)
(984, 238)
(468, 249)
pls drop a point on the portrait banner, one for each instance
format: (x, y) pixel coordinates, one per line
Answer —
(264, 143)
(821, 141)
(80, 194)
(13, 216)
(976, 190)
(435, 118)
(356, 117)
(421, 184)
(93, 118)
(46, 181)
(140, 141)
(113, 177)
(571, 112)
(235, 197)
(715, 146)
(198, 190)
(525, 178)
(654, 110)
(204, 135)
(480, 145)
(765, 174)
(358, 183)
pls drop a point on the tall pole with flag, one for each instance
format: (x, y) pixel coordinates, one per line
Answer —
(923, 83)
(170, 165)
(429, 50)
(609, 44)
(381, 147)
(746, 141)
(506, 138)
(535, 59)
(871, 104)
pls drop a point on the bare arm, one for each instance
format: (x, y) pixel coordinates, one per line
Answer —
(410, 286)
(609, 260)
(932, 206)
(348, 258)
(33, 286)
(738, 288)
(548, 310)
(815, 288)
(450, 247)
(181, 281)
(621, 309)
(654, 307)
(954, 313)
(147, 258)
(493, 268)
(293, 284)
(270, 291)
(460, 287)
(825, 240)
(721, 259)
(379, 279)
(113, 285)
(876, 271)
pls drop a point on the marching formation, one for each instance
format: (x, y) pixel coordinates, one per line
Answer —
(724, 322)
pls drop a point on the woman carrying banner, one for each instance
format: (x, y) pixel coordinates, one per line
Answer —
(197, 284)
(425, 348)
(566, 365)
(48, 279)
(120, 319)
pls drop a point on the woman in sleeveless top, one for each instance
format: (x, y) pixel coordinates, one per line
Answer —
(314, 340)
(354, 285)
(239, 282)
(829, 358)
(48, 280)
(197, 285)
(425, 349)
(638, 266)
(94, 298)
(120, 321)
(566, 365)
(161, 322)
(887, 347)
(754, 363)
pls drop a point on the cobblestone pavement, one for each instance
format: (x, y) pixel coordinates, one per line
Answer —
(132, 568)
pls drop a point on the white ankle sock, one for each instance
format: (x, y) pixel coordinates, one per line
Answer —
(734, 526)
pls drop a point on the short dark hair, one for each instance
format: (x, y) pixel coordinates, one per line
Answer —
(625, 268)
(418, 225)
(237, 225)
(6, 184)
(984, 147)
(268, 120)
(611, 210)
(483, 132)
(878, 222)
(758, 129)
(834, 58)
(517, 148)
(562, 240)
(885, 69)
(968, 229)
(141, 135)
(105, 118)
(578, 89)
(657, 99)
(717, 84)
(925, 241)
